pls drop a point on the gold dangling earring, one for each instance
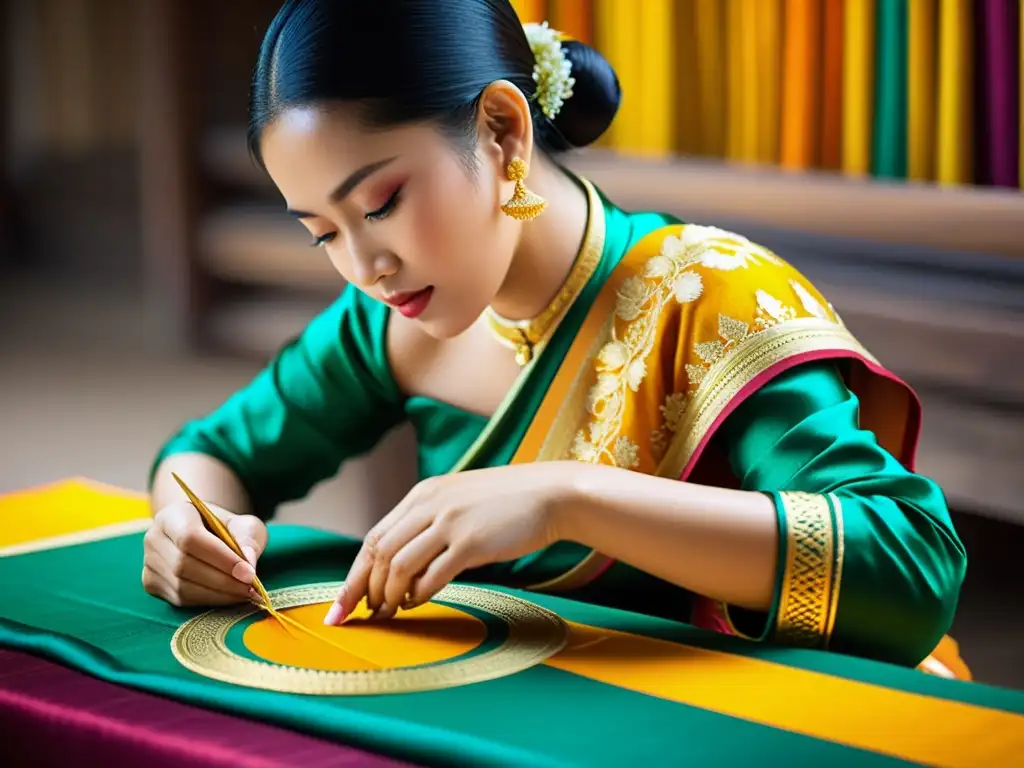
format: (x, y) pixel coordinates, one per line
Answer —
(523, 204)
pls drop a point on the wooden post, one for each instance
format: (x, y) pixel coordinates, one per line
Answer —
(167, 174)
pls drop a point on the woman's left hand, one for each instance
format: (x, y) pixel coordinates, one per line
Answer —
(449, 524)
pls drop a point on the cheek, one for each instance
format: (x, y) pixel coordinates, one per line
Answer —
(458, 230)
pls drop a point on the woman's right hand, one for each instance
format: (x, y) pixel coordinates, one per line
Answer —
(186, 565)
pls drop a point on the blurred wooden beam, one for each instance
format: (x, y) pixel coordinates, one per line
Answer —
(965, 219)
(167, 173)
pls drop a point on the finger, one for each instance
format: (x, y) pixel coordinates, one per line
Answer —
(353, 590)
(406, 567)
(438, 575)
(174, 583)
(251, 534)
(396, 539)
(357, 581)
(184, 593)
(189, 535)
(183, 565)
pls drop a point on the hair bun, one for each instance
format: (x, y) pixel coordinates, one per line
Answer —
(595, 99)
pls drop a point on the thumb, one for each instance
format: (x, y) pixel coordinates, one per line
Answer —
(251, 534)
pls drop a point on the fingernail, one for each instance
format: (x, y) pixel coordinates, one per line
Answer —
(243, 572)
(254, 594)
(335, 615)
(250, 555)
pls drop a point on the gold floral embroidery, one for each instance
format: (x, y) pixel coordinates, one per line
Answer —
(731, 332)
(626, 453)
(640, 300)
(659, 443)
(806, 600)
(673, 410)
(695, 373)
(771, 311)
(811, 304)
(672, 413)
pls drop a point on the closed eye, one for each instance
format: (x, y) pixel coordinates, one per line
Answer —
(385, 210)
(323, 240)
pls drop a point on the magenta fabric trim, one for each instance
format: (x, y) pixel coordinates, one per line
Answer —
(52, 715)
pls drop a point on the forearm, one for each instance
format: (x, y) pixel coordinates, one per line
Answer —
(719, 543)
(210, 479)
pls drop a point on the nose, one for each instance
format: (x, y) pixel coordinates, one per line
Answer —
(371, 263)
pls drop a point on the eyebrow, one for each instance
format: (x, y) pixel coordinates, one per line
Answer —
(345, 188)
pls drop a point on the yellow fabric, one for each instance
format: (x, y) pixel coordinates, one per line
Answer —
(623, 41)
(427, 634)
(573, 18)
(921, 90)
(746, 59)
(688, 77)
(768, 68)
(736, 92)
(750, 689)
(64, 508)
(709, 22)
(801, 84)
(954, 144)
(530, 10)
(858, 85)
(655, 119)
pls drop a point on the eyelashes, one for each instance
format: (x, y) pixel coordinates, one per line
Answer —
(385, 210)
(323, 240)
(378, 215)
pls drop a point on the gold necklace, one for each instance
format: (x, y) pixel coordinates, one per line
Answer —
(524, 336)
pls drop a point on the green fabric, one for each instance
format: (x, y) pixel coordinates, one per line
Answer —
(903, 563)
(83, 606)
(890, 146)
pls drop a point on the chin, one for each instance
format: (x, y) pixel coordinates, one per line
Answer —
(448, 326)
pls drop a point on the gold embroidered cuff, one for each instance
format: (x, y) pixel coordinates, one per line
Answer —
(809, 594)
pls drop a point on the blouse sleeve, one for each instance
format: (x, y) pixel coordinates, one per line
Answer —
(869, 562)
(325, 397)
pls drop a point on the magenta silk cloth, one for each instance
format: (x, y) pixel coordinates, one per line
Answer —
(998, 62)
(51, 715)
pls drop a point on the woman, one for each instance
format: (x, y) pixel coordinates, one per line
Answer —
(616, 405)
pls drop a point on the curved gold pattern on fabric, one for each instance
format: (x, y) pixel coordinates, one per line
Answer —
(535, 634)
(730, 375)
(805, 600)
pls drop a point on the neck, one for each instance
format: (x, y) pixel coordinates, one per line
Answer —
(547, 247)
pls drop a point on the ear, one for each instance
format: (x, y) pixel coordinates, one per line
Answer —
(504, 125)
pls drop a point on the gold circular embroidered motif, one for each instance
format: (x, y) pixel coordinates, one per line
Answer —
(534, 635)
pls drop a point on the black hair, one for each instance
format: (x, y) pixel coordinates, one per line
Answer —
(407, 61)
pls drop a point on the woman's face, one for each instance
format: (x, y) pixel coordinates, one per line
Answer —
(398, 212)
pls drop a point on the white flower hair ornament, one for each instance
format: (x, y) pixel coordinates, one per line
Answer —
(553, 70)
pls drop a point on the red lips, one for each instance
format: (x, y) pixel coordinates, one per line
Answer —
(411, 304)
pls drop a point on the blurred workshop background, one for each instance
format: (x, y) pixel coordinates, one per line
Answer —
(147, 268)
